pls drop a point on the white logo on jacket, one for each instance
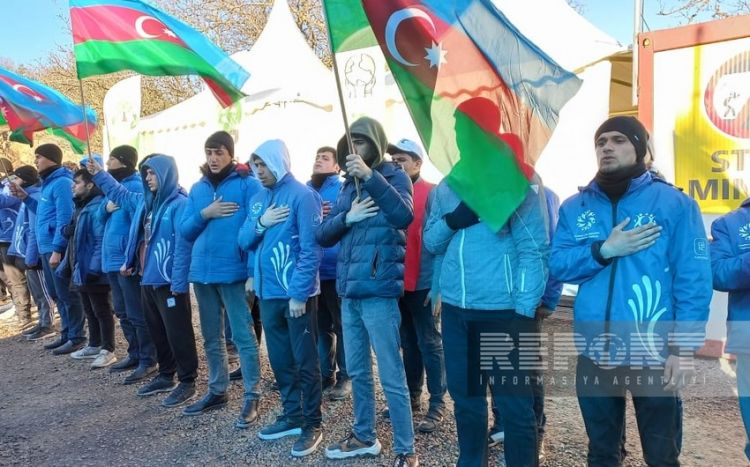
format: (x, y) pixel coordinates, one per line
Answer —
(282, 263)
(644, 218)
(586, 220)
(745, 232)
(646, 311)
(161, 253)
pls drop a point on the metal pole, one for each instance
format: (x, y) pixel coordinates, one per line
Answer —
(85, 119)
(637, 29)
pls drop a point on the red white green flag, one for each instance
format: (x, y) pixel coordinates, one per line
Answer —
(115, 35)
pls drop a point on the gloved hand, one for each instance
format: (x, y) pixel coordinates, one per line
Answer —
(461, 217)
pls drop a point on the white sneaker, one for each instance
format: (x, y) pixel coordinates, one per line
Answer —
(495, 438)
(105, 358)
(86, 352)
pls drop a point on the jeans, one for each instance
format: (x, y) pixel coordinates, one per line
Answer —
(100, 318)
(257, 325)
(658, 413)
(68, 303)
(423, 348)
(38, 289)
(126, 298)
(170, 324)
(375, 321)
(330, 337)
(292, 344)
(743, 391)
(470, 405)
(231, 297)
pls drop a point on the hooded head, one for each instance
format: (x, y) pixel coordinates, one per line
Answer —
(275, 163)
(372, 132)
(164, 169)
(84, 161)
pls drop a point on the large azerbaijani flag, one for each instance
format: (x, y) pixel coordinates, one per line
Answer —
(484, 99)
(115, 35)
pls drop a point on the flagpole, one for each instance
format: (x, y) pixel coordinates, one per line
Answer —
(348, 134)
(85, 119)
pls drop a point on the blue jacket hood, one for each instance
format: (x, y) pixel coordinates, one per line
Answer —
(276, 156)
(165, 169)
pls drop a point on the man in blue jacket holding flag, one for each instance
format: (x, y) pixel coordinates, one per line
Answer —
(637, 248)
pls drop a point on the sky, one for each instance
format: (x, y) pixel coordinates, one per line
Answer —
(33, 28)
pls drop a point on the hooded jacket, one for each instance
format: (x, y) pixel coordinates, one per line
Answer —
(167, 257)
(83, 257)
(117, 227)
(217, 257)
(9, 206)
(53, 210)
(23, 243)
(650, 300)
(485, 270)
(329, 192)
(730, 262)
(371, 252)
(286, 255)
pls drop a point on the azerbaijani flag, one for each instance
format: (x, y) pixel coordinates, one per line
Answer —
(484, 99)
(115, 35)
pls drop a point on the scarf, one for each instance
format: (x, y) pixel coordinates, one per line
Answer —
(615, 184)
(122, 173)
(44, 173)
(215, 179)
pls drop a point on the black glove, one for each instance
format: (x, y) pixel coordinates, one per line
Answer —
(461, 217)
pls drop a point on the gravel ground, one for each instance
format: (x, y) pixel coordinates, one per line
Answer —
(55, 411)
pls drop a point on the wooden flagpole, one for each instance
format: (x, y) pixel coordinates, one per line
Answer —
(85, 119)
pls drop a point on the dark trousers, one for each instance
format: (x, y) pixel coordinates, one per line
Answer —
(17, 282)
(330, 335)
(170, 323)
(292, 351)
(126, 298)
(460, 333)
(601, 397)
(68, 303)
(100, 318)
(422, 347)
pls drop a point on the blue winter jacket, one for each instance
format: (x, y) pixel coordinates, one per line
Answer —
(286, 255)
(371, 255)
(730, 262)
(23, 244)
(87, 246)
(9, 206)
(651, 300)
(217, 257)
(485, 270)
(329, 192)
(117, 226)
(53, 211)
(167, 252)
(553, 290)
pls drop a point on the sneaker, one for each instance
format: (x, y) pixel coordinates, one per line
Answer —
(157, 385)
(125, 364)
(352, 447)
(140, 373)
(248, 414)
(27, 326)
(56, 343)
(30, 331)
(496, 437)
(105, 359)
(308, 441)
(431, 421)
(86, 352)
(236, 374)
(540, 447)
(67, 348)
(42, 333)
(406, 460)
(208, 402)
(181, 394)
(282, 427)
(341, 390)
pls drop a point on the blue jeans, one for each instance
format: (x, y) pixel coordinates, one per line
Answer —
(211, 298)
(292, 344)
(470, 404)
(126, 299)
(423, 348)
(658, 413)
(330, 336)
(68, 303)
(743, 390)
(376, 321)
(41, 296)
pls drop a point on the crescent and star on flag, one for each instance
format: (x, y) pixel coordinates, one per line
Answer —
(436, 55)
(142, 20)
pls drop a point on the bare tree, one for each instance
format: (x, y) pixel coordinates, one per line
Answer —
(691, 10)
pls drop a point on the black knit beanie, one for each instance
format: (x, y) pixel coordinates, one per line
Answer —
(28, 174)
(127, 155)
(630, 127)
(221, 138)
(50, 151)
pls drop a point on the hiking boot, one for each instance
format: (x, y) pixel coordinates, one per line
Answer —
(30, 331)
(125, 364)
(496, 437)
(208, 402)
(406, 460)
(41, 333)
(236, 374)
(248, 414)
(105, 359)
(341, 390)
(140, 373)
(431, 421)
(308, 441)
(352, 447)
(56, 343)
(282, 427)
(67, 348)
(27, 326)
(181, 394)
(157, 385)
(86, 353)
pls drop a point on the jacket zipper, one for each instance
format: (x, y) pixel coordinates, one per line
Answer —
(461, 268)
(608, 310)
(259, 257)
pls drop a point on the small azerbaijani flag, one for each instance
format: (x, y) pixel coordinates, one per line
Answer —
(115, 35)
(484, 99)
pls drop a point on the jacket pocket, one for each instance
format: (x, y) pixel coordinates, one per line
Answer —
(374, 266)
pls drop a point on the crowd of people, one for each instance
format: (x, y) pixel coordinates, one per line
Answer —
(377, 260)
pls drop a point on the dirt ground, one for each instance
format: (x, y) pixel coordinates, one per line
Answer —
(55, 411)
